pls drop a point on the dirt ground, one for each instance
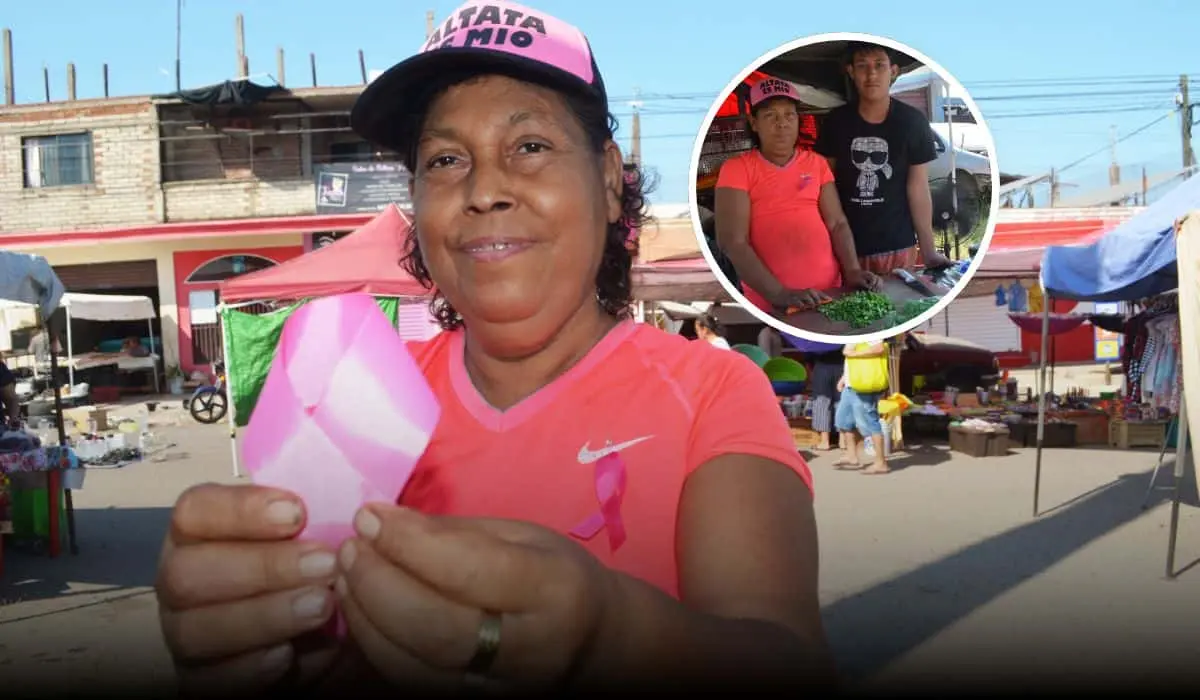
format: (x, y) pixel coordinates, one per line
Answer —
(936, 572)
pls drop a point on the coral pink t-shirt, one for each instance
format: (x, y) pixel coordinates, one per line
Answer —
(786, 229)
(666, 405)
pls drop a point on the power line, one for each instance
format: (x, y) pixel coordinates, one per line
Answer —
(1120, 139)
(1076, 95)
(1076, 112)
(1080, 81)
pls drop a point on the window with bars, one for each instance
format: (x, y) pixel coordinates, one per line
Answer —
(60, 160)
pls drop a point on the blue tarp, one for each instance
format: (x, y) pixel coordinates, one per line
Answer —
(1133, 261)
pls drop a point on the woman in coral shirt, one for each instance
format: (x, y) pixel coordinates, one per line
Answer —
(779, 219)
(602, 503)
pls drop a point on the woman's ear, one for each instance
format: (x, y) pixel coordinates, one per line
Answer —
(614, 181)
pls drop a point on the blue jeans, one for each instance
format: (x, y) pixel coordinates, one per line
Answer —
(859, 412)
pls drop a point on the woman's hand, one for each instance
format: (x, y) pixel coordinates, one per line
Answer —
(235, 590)
(414, 590)
(863, 279)
(841, 385)
(797, 300)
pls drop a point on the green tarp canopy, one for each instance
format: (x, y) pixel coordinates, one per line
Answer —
(250, 342)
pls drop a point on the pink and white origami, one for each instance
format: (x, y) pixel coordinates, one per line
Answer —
(344, 414)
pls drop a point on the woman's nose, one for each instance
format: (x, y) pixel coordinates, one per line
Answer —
(489, 186)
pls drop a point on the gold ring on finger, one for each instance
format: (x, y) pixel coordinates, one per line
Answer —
(487, 644)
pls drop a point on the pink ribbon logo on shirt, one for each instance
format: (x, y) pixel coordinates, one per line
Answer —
(611, 477)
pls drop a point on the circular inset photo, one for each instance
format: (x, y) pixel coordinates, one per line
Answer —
(844, 188)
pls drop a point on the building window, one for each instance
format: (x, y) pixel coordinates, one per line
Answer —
(58, 161)
(223, 268)
(202, 303)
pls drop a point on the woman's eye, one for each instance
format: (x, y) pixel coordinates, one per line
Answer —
(531, 147)
(440, 162)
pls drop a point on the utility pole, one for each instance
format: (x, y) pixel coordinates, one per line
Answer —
(429, 20)
(1053, 188)
(239, 29)
(1114, 170)
(178, 45)
(1185, 121)
(635, 146)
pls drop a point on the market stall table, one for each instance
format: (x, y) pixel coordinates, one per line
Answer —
(53, 462)
(893, 288)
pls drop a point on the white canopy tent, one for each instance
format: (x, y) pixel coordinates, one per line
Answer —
(104, 307)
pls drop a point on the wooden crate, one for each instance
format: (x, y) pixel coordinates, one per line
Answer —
(977, 443)
(1093, 428)
(1125, 435)
(802, 433)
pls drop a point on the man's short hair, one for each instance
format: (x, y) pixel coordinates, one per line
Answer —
(858, 47)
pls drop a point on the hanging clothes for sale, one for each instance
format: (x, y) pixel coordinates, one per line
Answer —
(1036, 299)
(1017, 299)
(1151, 358)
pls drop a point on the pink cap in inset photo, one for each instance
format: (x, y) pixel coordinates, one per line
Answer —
(768, 88)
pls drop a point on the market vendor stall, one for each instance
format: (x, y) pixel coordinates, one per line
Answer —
(29, 279)
(1138, 260)
(888, 314)
(108, 307)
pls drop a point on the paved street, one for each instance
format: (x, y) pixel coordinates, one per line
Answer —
(938, 568)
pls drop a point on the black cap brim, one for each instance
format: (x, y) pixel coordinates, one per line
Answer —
(389, 110)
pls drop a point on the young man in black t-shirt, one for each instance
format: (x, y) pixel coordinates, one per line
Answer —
(879, 150)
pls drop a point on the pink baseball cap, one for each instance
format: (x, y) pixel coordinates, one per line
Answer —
(768, 88)
(476, 39)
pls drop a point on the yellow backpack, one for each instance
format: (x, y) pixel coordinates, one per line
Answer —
(867, 375)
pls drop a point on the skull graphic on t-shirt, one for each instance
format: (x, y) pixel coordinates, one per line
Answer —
(870, 155)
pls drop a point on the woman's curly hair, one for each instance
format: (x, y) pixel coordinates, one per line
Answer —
(614, 279)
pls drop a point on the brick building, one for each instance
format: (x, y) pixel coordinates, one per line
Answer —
(166, 198)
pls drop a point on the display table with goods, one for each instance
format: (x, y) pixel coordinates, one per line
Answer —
(33, 480)
(1074, 419)
(38, 473)
(854, 312)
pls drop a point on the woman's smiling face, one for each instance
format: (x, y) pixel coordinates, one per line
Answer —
(512, 204)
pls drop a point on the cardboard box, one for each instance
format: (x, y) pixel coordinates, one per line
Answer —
(100, 416)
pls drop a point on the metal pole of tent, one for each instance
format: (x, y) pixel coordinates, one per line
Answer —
(69, 502)
(1181, 452)
(230, 410)
(1041, 425)
(153, 353)
(70, 353)
(948, 115)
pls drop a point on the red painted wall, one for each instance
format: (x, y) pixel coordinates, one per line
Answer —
(187, 262)
(1074, 346)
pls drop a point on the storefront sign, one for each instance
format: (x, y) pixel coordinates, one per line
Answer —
(360, 188)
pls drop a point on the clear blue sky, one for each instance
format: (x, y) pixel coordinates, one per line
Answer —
(680, 55)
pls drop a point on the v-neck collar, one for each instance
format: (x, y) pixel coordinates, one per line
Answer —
(785, 166)
(498, 420)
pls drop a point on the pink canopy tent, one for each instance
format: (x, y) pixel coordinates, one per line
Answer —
(367, 261)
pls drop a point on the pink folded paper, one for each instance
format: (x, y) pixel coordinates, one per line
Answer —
(343, 416)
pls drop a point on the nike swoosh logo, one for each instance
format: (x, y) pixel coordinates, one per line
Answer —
(587, 456)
